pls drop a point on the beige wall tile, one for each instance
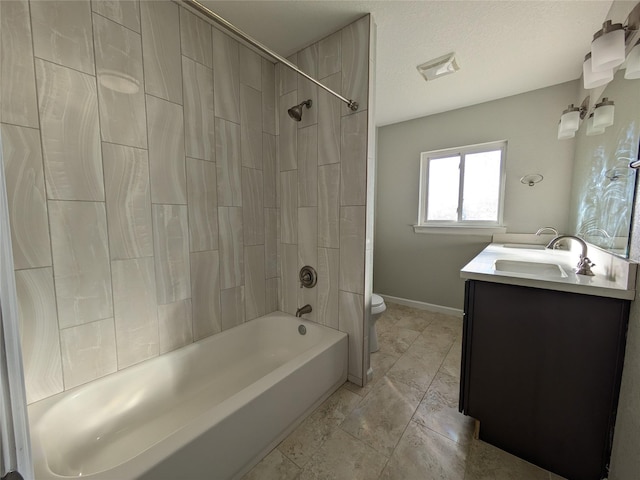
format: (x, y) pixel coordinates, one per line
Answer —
(124, 12)
(62, 33)
(328, 275)
(200, 139)
(308, 236)
(195, 36)
(255, 282)
(271, 294)
(355, 63)
(329, 108)
(351, 313)
(329, 206)
(88, 352)
(308, 166)
(231, 247)
(289, 207)
(288, 138)
(352, 249)
(26, 196)
(270, 170)
(288, 79)
(126, 176)
(250, 68)
(171, 247)
(205, 294)
(308, 63)
(203, 205)
(229, 164)
(17, 78)
(166, 151)
(80, 262)
(161, 49)
(253, 206)
(330, 55)
(290, 281)
(68, 105)
(135, 310)
(251, 126)
(232, 300)
(39, 333)
(353, 162)
(175, 325)
(268, 97)
(226, 76)
(271, 242)
(120, 83)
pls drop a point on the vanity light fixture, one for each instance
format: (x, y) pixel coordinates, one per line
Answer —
(570, 121)
(563, 135)
(607, 47)
(591, 130)
(633, 63)
(603, 114)
(439, 67)
(594, 79)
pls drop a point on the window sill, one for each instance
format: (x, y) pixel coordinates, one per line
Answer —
(459, 230)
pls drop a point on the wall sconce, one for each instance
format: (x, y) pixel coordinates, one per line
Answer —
(607, 47)
(633, 63)
(603, 114)
(570, 120)
(591, 130)
(594, 79)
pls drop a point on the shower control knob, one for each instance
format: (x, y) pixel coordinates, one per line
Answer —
(308, 277)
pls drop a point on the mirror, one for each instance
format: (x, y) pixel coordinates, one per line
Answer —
(603, 186)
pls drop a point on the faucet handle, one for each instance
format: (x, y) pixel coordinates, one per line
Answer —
(584, 267)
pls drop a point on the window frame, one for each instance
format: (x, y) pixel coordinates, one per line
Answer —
(490, 225)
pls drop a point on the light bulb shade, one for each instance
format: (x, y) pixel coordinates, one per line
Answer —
(593, 79)
(603, 114)
(633, 63)
(570, 119)
(591, 130)
(562, 135)
(607, 47)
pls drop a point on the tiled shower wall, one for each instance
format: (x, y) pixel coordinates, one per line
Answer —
(326, 186)
(139, 146)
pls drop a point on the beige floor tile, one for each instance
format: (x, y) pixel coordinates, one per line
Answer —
(437, 337)
(303, 442)
(438, 410)
(396, 341)
(380, 363)
(417, 367)
(343, 457)
(486, 462)
(274, 466)
(417, 320)
(382, 416)
(451, 364)
(423, 454)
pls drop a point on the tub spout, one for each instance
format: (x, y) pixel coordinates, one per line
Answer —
(302, 310)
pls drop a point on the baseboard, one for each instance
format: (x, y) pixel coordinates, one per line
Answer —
(456, 312)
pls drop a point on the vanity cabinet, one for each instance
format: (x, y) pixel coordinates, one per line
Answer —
(541, 371)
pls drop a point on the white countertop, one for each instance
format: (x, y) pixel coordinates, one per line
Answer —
(603, 284)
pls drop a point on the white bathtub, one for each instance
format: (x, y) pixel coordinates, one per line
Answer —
(208, 411)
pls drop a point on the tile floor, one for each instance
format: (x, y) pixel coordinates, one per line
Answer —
(404, 425)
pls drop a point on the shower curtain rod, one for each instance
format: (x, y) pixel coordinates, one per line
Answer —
(353, 105)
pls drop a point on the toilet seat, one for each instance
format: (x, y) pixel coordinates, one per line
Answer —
(377, 304)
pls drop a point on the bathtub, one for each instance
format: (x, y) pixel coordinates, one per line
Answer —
(210, 410)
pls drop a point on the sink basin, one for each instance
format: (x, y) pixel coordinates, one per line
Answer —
(531, 246)
(538, 269)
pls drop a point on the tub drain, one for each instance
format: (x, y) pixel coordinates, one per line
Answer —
(302, 330)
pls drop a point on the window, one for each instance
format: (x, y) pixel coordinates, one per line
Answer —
(462, 187)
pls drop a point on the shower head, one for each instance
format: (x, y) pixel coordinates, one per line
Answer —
(296, 112)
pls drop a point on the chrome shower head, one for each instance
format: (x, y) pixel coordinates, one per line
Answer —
(296, 112)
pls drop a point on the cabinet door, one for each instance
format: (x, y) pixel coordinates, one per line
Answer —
(543, 374)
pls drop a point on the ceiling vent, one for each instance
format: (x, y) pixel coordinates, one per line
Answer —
(439, 67)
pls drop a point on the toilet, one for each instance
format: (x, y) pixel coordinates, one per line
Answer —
(377, 308)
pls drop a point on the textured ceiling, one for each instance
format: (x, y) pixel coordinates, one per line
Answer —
(503, 47)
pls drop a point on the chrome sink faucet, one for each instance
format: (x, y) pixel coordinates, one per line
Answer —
(584, 264)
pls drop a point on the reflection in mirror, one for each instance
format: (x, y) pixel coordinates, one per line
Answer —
(603, 184)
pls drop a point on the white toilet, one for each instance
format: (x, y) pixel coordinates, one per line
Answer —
(377, 308)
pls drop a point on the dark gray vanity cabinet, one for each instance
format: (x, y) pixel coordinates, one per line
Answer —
(541, 371)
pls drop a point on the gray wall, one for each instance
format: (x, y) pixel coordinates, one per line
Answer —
(425, 267)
